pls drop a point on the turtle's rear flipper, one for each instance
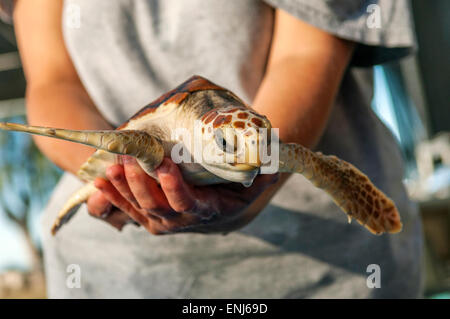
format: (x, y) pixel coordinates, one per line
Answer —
(71, 206)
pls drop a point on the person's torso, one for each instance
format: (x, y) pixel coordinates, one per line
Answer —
(127, 54)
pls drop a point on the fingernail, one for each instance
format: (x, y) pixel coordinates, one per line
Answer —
(164, 168)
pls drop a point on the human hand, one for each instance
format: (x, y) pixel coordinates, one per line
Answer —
(173, 206)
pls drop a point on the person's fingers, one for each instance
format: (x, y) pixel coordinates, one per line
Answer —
(116, 175)
(101, 208)
(98, 206)
(177, 192)
(145, 189)
(113, 195)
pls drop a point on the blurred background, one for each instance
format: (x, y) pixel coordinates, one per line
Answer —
(412, 97)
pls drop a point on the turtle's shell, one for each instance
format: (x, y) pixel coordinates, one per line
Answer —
(176, 96)
(176, 108)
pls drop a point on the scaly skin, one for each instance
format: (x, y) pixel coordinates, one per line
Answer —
(138, 144)
(350, 189)
(71, 206)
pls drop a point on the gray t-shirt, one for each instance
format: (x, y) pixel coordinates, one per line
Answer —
(127, 53)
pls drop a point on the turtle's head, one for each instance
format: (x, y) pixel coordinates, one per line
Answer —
(233, 138)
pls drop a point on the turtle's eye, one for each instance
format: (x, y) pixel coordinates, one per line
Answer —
(222, 142)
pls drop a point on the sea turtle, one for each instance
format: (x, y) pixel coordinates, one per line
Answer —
(225, 122)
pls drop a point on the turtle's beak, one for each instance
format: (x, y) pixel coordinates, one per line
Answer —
(243, 167)
(257, 146)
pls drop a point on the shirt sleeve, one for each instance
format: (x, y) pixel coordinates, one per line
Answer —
(6, 10)
(382, 29)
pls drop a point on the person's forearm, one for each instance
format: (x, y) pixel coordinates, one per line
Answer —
(55, 96)
(297, 96)
(63, 105)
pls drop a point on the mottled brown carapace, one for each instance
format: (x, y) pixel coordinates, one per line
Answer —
(209, 116)
(177, 95)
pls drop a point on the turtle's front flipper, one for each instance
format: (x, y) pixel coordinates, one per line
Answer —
(350, 189)
(71, 206)
(146, 148)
